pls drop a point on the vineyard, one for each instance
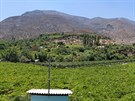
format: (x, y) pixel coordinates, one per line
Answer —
(110, 82)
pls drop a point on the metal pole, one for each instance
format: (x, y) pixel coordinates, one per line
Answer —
(49, 75)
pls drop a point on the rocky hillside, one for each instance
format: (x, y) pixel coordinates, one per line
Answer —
(32, 24)
(119, 29)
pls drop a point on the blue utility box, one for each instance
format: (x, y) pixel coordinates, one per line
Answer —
(54, 94)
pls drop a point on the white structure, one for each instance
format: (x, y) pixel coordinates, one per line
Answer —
(54, 94)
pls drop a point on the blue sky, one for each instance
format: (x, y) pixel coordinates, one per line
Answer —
(86, 8)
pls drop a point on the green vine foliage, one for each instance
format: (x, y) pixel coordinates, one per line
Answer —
(110, 82)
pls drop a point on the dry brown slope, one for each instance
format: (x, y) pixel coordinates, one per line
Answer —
(32, 24)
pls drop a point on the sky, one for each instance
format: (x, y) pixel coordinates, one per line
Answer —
(85, 8)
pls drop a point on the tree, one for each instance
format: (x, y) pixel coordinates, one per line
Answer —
(2, 46)
(59, 58)
(12, 55)
(42, 56)
(29, 55)
(90, 40)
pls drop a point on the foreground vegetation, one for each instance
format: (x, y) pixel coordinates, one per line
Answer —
(92, 83)
(64, 48)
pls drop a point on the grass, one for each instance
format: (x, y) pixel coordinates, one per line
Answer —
(92, 83)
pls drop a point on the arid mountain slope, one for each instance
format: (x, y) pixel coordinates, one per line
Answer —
(32, 24)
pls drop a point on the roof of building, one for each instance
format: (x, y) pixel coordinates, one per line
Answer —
(52, 91)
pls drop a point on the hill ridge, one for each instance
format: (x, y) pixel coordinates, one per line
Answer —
(33, 23)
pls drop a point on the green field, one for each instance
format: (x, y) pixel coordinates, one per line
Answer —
(92, 83)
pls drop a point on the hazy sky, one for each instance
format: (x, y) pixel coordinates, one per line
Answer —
(86, 8)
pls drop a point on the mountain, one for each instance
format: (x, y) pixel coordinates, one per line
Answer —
(119, 29)
(32, 24)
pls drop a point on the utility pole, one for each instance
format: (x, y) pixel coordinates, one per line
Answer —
(49, 74)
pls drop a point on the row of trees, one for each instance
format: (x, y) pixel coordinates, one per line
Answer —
(66, 54)
(91, 40)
